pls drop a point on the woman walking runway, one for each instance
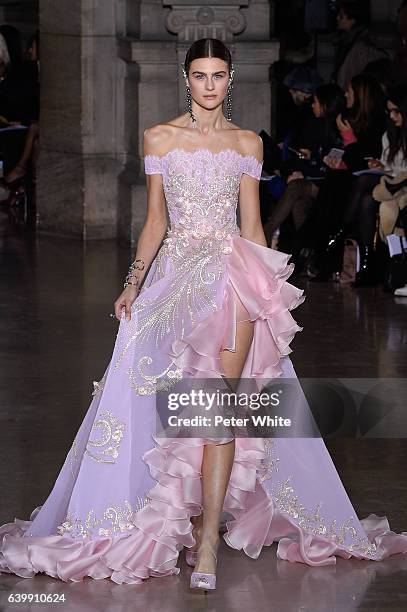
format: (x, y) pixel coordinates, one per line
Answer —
(211, 302)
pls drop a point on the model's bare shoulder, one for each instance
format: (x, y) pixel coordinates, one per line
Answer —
(252, 144)
(157, 138)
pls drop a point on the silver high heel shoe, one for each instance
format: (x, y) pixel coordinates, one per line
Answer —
(200, 580)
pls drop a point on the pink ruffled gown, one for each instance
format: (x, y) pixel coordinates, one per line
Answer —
(121, 505)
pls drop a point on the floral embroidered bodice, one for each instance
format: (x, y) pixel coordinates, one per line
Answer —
(201, 190)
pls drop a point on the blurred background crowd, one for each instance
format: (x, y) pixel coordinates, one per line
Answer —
(334, 188)
(335, 182)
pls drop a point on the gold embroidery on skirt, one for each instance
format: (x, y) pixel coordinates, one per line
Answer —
(116, 519)
(270, 461)
(313, 523)
(111, 433)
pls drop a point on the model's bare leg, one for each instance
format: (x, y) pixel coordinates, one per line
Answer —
(218, 459)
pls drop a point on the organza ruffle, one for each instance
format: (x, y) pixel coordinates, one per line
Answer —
(257, 277)
(163, 527)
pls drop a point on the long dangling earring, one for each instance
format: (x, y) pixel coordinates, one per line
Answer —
(189, 97)
(229, 94)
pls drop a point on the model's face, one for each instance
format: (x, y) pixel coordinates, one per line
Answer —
(317, 108)
(350, 96)
(208, 79)
(395, 114)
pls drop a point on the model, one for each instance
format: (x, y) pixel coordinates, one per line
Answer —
(210, 301)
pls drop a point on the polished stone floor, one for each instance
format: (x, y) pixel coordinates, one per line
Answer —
(56, 337)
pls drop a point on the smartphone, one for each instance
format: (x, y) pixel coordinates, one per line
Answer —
(336, 154)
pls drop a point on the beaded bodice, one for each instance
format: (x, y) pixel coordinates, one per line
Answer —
(201, 190)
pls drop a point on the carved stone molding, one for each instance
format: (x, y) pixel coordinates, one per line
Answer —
(191, 20)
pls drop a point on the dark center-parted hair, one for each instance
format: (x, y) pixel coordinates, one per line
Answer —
(397, 95)
(368, 107)
(207, 47)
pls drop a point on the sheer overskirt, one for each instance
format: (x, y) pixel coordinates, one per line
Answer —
(122, 503)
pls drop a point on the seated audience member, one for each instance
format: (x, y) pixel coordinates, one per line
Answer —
(19, 105)
(19, 89)
(301, 82)
(31, 144)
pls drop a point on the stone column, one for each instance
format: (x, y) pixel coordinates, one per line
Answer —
(151, 97)
(81, 124)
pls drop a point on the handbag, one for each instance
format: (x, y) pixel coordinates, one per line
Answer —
(396, 271)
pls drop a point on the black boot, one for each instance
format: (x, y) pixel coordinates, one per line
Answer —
(329, 260)
(366, 276)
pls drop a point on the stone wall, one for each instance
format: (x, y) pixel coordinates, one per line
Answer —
(82, 119)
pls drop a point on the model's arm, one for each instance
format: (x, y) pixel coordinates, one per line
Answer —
(249, 199)
(153, 231)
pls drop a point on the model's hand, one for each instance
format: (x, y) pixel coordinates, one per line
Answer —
(125, 300)
(375, 163)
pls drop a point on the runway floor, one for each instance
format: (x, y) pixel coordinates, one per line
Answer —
(56, 337)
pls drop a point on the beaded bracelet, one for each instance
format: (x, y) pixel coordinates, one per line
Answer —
(133, 267)
(128, 282)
